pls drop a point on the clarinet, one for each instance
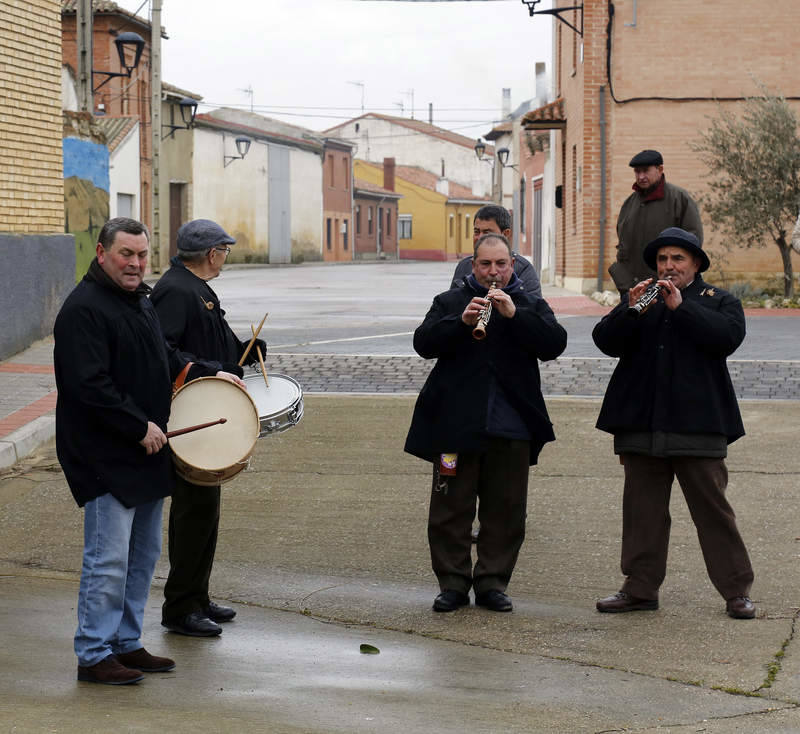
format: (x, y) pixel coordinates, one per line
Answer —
(647, 299)
(479, 332)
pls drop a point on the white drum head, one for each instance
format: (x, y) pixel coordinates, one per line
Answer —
(217, 447)
(283, 392)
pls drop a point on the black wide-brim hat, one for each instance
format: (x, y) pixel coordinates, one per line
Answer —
(678, 238)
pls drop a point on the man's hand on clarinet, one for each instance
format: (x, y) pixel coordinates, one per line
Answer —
(502, 302)
(635, 293)
(473, 310)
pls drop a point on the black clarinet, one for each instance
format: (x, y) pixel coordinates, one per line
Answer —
(647, 299)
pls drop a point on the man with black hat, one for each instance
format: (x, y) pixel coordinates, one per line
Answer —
(653, 206)
(672, 410)
(193, 321)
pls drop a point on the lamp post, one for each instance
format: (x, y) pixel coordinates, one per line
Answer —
(242, 147)
(123, 42)
(188, 108)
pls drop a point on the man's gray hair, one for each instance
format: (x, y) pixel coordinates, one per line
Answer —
(193, 256)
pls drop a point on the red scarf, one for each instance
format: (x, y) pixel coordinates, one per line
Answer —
(657, 192)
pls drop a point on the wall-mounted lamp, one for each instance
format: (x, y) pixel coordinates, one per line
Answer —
(188, 108)
(123, 41)
(242, 146)
(480, 149)
(531, 5)
(502, 156)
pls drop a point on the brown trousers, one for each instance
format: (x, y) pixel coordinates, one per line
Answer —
(498, 476)
(646, 523)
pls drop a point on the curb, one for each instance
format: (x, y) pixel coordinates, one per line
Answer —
(26, 440)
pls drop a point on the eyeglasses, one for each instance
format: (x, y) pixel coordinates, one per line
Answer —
(226, 250)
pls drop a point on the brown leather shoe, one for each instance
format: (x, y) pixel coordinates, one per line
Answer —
(624, 602)
(740, 607)
(110, 672)
(142, 660)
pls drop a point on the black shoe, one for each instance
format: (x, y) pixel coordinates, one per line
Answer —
(495, 600)
(450, 600)
(218, 613)
(624, 602)
(195, 624)
(740, 607)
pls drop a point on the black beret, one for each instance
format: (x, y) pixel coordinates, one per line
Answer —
(202, 234)
(646, 158)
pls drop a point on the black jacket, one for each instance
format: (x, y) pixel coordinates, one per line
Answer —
(672, 374)
(453, 408)
(182, 302)
(114, 373)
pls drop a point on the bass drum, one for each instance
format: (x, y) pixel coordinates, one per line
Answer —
(280, 406)
(216, 454)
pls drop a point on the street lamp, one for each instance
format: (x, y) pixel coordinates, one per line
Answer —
(502, 156)
(123, 41)
(188, 108)
(480, 149)
(242, 147)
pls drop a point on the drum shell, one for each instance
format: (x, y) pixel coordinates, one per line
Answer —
(279, 406)
(213, 455)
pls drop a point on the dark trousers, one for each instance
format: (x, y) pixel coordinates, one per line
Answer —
(193, 528)
(498, 476)
(646, 523)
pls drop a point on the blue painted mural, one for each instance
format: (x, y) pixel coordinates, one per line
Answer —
(86, 196)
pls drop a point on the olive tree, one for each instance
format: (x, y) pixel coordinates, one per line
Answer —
(754, 176)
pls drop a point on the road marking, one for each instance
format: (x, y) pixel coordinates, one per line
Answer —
(336, 341)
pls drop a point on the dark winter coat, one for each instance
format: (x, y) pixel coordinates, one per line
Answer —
(114, 373)
(672, 374)
(454, 407)
(192, 319)
(641, 219)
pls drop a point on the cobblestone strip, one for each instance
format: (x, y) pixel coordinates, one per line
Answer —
(576, 376)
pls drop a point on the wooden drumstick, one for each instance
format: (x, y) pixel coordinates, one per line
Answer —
(261, 361)
(189, 429)
(256, 332)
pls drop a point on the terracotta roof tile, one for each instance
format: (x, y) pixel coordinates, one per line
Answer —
(549, 117)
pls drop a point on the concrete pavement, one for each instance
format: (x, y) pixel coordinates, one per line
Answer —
(322, 548)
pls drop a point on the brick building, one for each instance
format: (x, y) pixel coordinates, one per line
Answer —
(38, 258)
(375, 216)
(337, 200)
(649, 75)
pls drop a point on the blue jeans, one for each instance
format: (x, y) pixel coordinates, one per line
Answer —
(121, 546)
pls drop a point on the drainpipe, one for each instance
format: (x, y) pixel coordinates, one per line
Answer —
(602, 242)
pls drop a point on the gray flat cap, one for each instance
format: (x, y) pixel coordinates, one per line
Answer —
(202, 234)
(646, 158)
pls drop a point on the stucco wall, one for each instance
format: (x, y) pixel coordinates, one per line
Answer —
(38, 274)
(124, 173)
(305, 182)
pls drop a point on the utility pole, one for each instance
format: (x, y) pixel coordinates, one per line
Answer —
(155, 133)
(85, 20)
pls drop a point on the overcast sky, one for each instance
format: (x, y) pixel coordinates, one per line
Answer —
(299, 54)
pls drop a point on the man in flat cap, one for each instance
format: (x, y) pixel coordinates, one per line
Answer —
(193, 321)
(653, 206)
(671, 408)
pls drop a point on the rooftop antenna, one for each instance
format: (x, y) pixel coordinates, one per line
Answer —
(248, 91)
(360, 84)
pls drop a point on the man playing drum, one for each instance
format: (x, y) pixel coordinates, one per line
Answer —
(114, 376)
(193, 322)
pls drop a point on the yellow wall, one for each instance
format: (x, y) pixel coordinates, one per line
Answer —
(427, 209)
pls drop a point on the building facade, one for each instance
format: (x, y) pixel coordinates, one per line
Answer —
(650, 75)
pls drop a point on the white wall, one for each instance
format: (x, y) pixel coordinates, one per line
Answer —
(377, 139)
(124, 173)
(305, 183)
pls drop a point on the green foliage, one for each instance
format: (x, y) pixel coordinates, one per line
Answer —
(754, 174)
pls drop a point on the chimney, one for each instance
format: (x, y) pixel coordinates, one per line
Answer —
(388, 173)
(541, 84)
(506, 109)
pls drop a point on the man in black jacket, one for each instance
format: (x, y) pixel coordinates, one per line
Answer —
(114, 376)
(481, 420)
(496, 219)
(194, 322)
(672, 410)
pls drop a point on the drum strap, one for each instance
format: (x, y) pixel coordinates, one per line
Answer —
(181, 378)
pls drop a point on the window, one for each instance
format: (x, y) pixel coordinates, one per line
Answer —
(332, 170)
(467, 228)
(358, 219)
(452, 225)
(369, 220)
(388, 222)
(344, 234)
(346, 169)
(404, 226)
(522, 205)
(125, 206)
(328, 238)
